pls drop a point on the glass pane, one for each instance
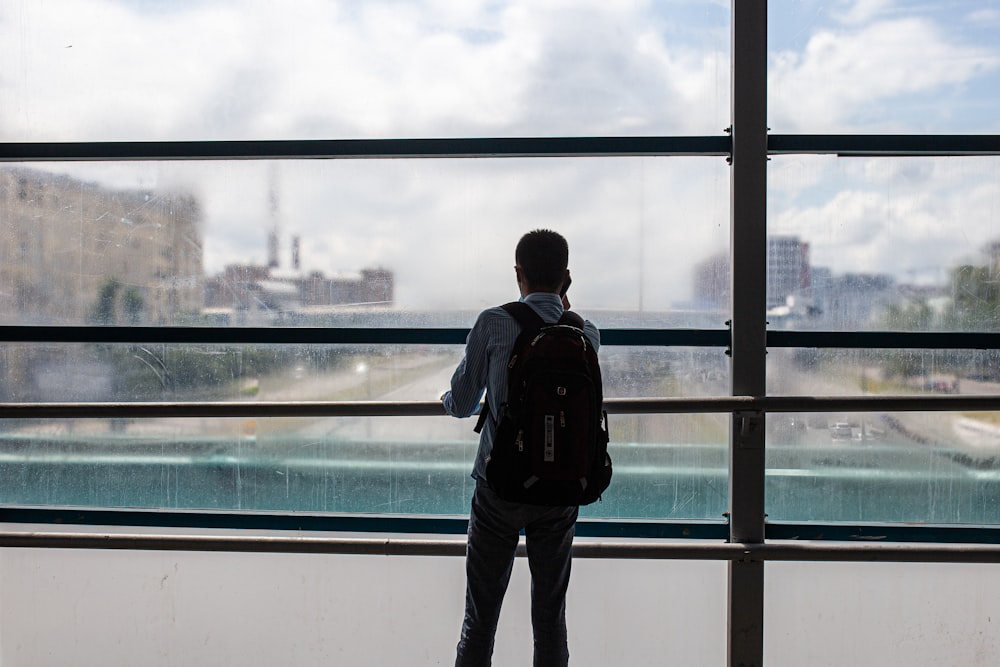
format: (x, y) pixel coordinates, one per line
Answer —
(666, 466)
(874, 614)
(337, 70)
(938, 467)
(355, 242)
(920, 66)
(349, 464)
(884, 243)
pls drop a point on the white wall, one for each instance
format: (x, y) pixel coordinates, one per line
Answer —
(108, 608)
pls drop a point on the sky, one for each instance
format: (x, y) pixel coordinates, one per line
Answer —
(97, 70)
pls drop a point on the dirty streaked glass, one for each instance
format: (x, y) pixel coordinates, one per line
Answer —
(873, 466)
(357, 243)
(666, 466)
(244, 70)
(899, 244)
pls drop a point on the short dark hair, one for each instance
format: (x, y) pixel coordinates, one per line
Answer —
(543, 256)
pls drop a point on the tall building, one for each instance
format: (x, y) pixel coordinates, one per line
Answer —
(788, 269)
(74, 252)
(788, 273)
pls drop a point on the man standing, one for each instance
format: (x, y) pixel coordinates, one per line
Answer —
(541, 260)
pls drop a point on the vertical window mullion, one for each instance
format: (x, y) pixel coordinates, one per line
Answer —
(748, 250)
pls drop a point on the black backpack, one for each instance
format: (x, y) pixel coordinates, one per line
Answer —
(551, 443)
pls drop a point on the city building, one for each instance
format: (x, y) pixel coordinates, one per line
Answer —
(788, 274)
(73, 252)
(248, 292)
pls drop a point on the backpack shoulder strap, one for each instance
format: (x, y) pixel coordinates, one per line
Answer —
(528, 320)
(572, 319)
(524, 314)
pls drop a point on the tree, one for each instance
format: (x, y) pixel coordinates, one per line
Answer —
(975, 299)
(130, 304)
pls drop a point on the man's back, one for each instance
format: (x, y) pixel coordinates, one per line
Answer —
(541, 269)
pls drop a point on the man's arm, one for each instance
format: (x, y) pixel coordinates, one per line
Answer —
(468, 383)
(592, 333)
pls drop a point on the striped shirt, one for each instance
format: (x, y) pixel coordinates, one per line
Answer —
(484, 366)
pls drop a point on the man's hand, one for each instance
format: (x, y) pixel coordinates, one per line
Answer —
(565, 288)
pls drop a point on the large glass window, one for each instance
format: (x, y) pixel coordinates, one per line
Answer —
(667, 466)
(921, 66)
(136, 71)
(358, 242)
(901, 244)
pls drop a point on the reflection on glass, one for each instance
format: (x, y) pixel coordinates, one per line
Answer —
(158, 372)
(876, 466)
(907, 244)
(190, 372)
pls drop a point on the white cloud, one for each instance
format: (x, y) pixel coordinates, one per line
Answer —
(903, 216)
(984, 17)
(857, 12)
(848, 80)
(105, 69)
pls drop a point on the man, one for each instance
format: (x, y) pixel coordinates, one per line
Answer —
(541, 260)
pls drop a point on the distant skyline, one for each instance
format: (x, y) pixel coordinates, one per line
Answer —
(148, 70)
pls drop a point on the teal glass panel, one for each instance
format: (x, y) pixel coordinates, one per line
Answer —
(934, 467)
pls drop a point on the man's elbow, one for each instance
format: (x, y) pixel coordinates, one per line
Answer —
(456, 409)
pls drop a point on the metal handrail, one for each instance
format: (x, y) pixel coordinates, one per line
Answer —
(393, 546)
(723, 404)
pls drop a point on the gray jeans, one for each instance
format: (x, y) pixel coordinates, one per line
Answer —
(494, 525)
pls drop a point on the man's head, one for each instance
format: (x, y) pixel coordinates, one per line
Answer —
(542, 257)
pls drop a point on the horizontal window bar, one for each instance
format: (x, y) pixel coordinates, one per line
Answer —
(883, 532)
(395, 546)
(327, 335)
(366, 148)
(354, 523)
(232, 335)
(446, 336)
(262, 409)
(920, 340)
(486, 147)
(880, 145)
(449, 525)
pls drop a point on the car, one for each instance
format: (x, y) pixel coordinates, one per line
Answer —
(841, 431)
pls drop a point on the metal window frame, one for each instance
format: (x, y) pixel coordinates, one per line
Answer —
(746, 541)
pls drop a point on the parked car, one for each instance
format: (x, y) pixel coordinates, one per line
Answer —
(841, 431)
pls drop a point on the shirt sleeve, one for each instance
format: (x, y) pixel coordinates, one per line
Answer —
(592, 333)
(468, 383)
